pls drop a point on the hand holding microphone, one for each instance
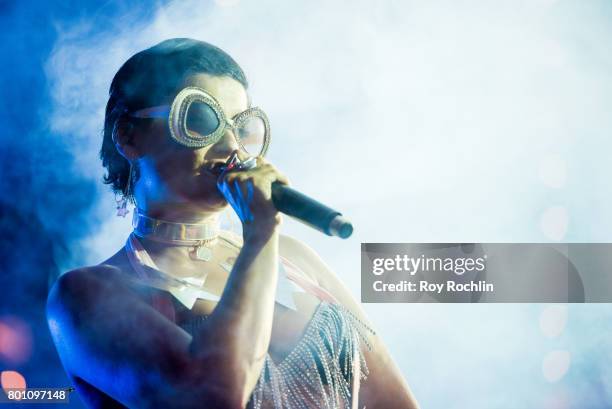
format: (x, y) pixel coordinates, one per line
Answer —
(254, 185)
(246, 185)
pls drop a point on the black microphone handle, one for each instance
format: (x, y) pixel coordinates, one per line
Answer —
(307, 210)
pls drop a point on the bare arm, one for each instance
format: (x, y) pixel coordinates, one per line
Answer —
(240, 327)
(385, 386)
(106, 336)
(119, 344)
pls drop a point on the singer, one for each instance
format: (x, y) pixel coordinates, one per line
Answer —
(189, 316)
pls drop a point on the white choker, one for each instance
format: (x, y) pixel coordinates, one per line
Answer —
(197, 235)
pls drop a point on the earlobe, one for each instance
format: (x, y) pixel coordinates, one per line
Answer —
(123, 136)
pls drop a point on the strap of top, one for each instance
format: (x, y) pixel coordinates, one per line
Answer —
(296, 275)
(161, 301)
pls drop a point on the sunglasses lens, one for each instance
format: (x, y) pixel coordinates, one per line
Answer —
(252, 134)
(201, 118)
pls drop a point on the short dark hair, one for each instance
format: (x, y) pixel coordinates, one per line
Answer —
(152, 77)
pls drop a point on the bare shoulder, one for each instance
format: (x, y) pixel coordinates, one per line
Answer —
(83, 284)
(311, 263)
(71, 301)
(307, 259)
(304, 257)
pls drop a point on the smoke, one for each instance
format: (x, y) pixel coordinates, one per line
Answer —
(424, 122)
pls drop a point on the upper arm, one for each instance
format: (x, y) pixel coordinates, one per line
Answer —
(114, 341)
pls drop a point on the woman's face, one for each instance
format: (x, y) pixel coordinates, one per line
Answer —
(173, 174)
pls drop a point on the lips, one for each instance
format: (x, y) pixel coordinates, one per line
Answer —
(214, 167)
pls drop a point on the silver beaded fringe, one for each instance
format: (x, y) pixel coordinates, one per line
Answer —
(318, 372)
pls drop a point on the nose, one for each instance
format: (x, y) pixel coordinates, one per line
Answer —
(224, 147)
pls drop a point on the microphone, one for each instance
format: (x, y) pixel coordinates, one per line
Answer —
(301, 207)
(309, 211)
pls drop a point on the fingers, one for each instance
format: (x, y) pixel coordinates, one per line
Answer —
(283, 179)
(264, 172)
(249, 191)
(244, 198)
(270, 170)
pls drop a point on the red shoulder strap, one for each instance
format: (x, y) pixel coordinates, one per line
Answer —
(293, 274)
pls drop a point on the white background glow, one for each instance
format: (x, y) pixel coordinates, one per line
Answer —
(441, 121)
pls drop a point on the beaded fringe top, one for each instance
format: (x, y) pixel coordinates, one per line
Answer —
(319, 372)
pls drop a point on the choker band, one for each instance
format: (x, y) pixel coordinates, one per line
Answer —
(172, 232)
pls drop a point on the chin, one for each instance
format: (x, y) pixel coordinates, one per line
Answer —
(203, 192)
(216, 201)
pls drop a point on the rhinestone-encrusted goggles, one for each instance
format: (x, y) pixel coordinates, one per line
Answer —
(196, 120)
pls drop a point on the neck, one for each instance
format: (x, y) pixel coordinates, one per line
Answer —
(156, 199)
